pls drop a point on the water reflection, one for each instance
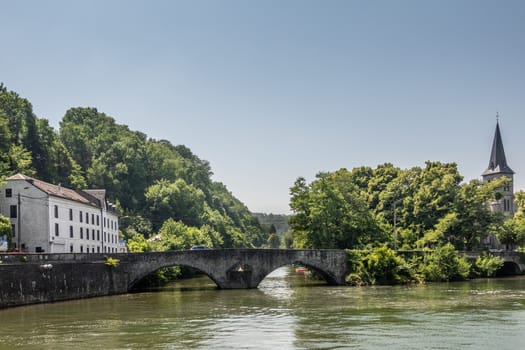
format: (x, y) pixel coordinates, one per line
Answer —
(286, 312)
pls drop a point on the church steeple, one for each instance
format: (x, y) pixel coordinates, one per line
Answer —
(498, 168)
(498, 162)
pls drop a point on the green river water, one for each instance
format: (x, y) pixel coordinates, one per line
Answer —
(285, 312)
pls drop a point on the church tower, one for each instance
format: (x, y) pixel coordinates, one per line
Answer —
(498, 168)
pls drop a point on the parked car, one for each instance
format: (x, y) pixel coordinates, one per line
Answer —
(199, 247)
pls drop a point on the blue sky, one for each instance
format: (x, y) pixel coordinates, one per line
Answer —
(268, 91)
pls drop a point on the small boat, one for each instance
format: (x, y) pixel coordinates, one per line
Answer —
(301, 269)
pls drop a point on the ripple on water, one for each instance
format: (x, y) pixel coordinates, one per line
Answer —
(280, 315)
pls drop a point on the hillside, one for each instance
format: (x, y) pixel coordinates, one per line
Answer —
(161, 189)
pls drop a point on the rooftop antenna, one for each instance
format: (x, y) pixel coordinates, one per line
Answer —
(497, 117)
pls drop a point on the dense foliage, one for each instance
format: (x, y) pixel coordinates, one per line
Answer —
(374, 212)
(382, 265)
(416, 208)
(165, 193)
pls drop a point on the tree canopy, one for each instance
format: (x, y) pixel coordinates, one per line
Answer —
(426, 206)
(160, 188)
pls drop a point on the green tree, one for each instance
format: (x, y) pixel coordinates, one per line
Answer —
(5, 229)
(274, 241)
(176, 200)
(331, 213)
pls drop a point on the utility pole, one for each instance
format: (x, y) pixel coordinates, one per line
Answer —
(395, 227)
(19, 223)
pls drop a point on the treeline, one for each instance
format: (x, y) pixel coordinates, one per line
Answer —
(278, 221)
(422, 208)
(165, 193)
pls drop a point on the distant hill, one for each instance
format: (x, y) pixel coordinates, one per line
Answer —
(278, 220)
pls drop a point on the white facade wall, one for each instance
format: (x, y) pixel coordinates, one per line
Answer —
(30, 227)
(50, 224)
(110, 229)
(74, 229)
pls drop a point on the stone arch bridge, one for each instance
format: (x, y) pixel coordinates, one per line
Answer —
(34, 278)
(239, 268)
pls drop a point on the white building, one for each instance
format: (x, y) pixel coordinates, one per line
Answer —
(54, 219)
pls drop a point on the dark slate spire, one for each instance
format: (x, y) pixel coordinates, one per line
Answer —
(497, 162)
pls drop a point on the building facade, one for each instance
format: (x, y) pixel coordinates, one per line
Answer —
(499, 168)
(47, 218)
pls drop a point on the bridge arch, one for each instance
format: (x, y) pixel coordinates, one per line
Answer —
(509, 268)
(146, 273)
(326, 276)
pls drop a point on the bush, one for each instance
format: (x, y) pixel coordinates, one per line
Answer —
(379, 266)
(444, 264)
(487, 266)
(112, 262)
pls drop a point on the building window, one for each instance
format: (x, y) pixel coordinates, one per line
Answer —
(87, 218)
(93, 220)
(104, 222)
(71, 214)
(98, 235)
(71, 248)
(56, 211)
(506, 205)
(8, 193)
(71, 231)
(81, 233)
(98, 249)
(98, 220)
(13, 211)
(56, 229)
(104, 236)
(80, 216)
(82, 249)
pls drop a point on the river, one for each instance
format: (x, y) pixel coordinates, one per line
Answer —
(287, 311)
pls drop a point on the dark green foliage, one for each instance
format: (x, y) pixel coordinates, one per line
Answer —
(353, 209)
(487, 266)
(331, 213)
(384, 266)
(445, 264)
(274, 241)
(378, 266)
(29, 145)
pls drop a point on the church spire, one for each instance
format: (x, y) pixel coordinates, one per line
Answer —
(498, 161)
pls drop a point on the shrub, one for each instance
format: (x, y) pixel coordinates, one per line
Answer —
(112, 262)
(487, 266)
(379, 266)
(444, 264)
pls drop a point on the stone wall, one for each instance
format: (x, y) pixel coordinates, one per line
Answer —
(28, 282)
(37, 278)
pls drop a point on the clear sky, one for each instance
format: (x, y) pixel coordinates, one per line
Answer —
(268, 91)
